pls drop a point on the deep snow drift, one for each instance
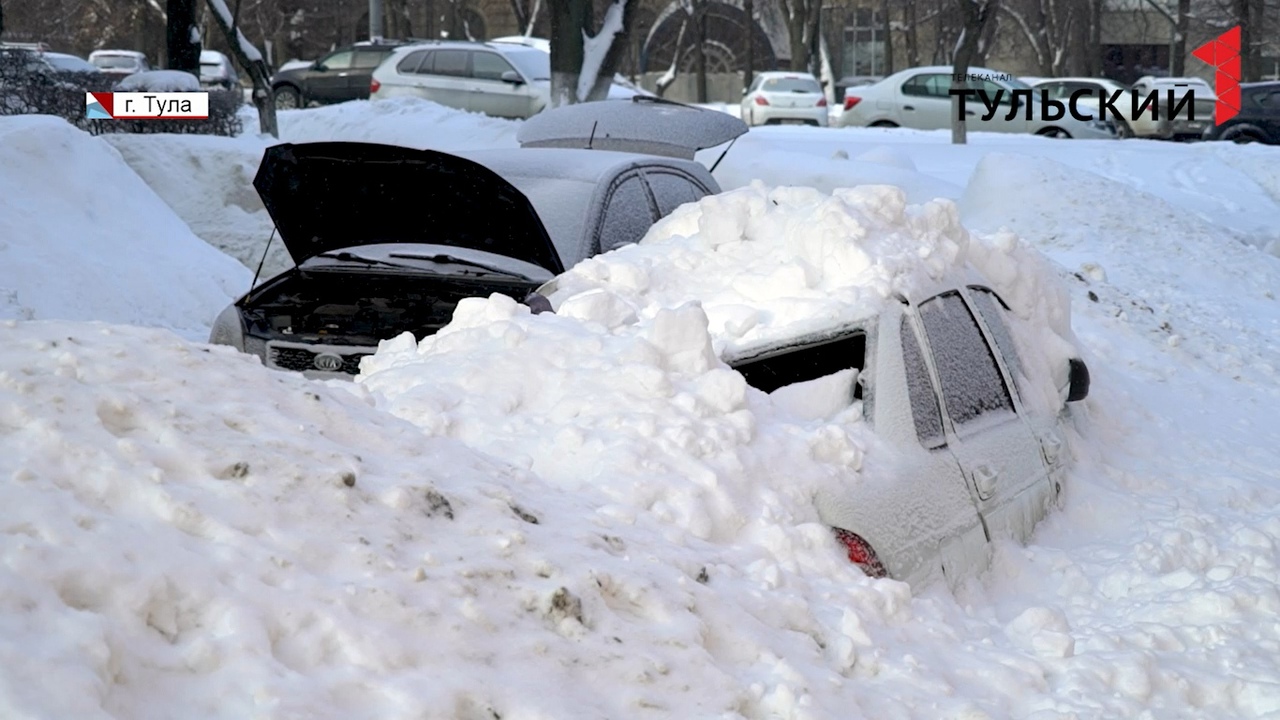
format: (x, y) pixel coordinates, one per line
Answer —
(84, 238)
(188, 534)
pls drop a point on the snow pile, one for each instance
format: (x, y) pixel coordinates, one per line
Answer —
(83, 237)
(1117, 237)
(769, 264)
(411, 122)
(159, 81)
(208, 181)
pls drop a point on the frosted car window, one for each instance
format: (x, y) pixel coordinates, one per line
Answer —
(971, 382)
(805, 364)
(627, 217)
(992, 312)
(924, 403)
(671, 191)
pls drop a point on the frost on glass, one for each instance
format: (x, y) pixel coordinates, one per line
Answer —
(971, 381)
(671, 191)
(924, 404)
(993, 315)
(627, 217)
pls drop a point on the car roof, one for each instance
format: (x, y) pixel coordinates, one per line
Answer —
(124, 53)
(211, 56)
(582, 164)
(1078, 78)
(785, 73)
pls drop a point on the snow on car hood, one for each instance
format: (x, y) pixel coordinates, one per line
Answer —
(641, 125)
(327, 196)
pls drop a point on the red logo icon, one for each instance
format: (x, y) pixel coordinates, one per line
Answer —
(1223, 53)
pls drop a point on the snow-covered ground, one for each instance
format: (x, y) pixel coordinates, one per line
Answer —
(627, 533)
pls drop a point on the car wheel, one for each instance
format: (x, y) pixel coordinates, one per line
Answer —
(288, 98)
(884, 123)
(1055, 132)
(1242, 134)
(1123, 130)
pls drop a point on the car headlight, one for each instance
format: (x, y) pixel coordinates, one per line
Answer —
(228, 328)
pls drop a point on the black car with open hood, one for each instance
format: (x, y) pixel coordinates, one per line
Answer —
(385, 240)
(330, 196)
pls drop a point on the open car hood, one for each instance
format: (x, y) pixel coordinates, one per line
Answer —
(327, 196)
(640, 125)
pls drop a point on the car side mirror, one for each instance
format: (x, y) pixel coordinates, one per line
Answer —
(1078, 385)
(513, 77)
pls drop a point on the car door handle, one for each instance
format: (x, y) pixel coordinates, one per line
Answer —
(970, 112)
(908, 107)
(984, 478)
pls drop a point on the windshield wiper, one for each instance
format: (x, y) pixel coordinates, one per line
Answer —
(352, 257)
(454, 259)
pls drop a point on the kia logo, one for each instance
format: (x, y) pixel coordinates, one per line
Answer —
(328, 362)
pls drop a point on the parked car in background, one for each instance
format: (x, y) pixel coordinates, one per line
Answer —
(388, 240)
(853, 81)
(919, 98)
(1128, 124)
(217, 71)
(342, 75)
(500, 79)
(1259, 118)
(1188, 125)
(119, 63)
(775, 98)
(70, 64)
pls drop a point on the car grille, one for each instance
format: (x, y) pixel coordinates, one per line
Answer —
(303, 358)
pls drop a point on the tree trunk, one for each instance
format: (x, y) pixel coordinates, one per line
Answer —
(617, 50)
(748, 73)
(569, 20)
(700, 50)
(182, 39)
(251, 60)
(887, 19)
(976, 14)
(1, 18)
(913, 39)
(1178, 49)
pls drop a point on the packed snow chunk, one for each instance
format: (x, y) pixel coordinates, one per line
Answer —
(159, 81)
(83, 237)
(879, 166)
(772, 264)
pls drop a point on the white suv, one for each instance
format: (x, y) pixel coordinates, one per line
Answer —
(499, 79)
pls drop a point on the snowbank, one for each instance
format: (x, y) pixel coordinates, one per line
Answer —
(83, 237)
(410, 122)
(208, 181)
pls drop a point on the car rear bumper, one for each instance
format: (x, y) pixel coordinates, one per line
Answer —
(761, 115)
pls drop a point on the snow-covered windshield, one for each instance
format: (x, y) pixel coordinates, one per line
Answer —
(796, 85)
(69, 63)
(533, 63)
(115, 61)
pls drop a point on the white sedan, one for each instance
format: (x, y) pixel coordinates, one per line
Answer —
(785, 97)
(919, 98)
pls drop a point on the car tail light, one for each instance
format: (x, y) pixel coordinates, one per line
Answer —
(374, 86)
(761, 101)
(850, 101)
(860, 553)
(822, 102)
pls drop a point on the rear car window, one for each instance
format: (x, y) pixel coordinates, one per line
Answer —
(972, 386)
(803, 364)
(992, 309)
(414, 63)
(627, 217)
(927, 85)
(796, 85)
(671, 190)
(451, 62)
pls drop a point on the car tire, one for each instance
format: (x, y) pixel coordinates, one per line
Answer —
(1242, 134)
(287, 97)
(884, 124)
(1056, 133)
(1123, 131)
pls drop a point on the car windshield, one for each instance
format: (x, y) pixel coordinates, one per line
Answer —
(1016, 84)
(796, 85)
(533, 64)
(115, 61)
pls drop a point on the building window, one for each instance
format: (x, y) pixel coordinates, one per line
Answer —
(864, 43)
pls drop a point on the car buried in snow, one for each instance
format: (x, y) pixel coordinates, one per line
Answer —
(971, 452)
(387, 240)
